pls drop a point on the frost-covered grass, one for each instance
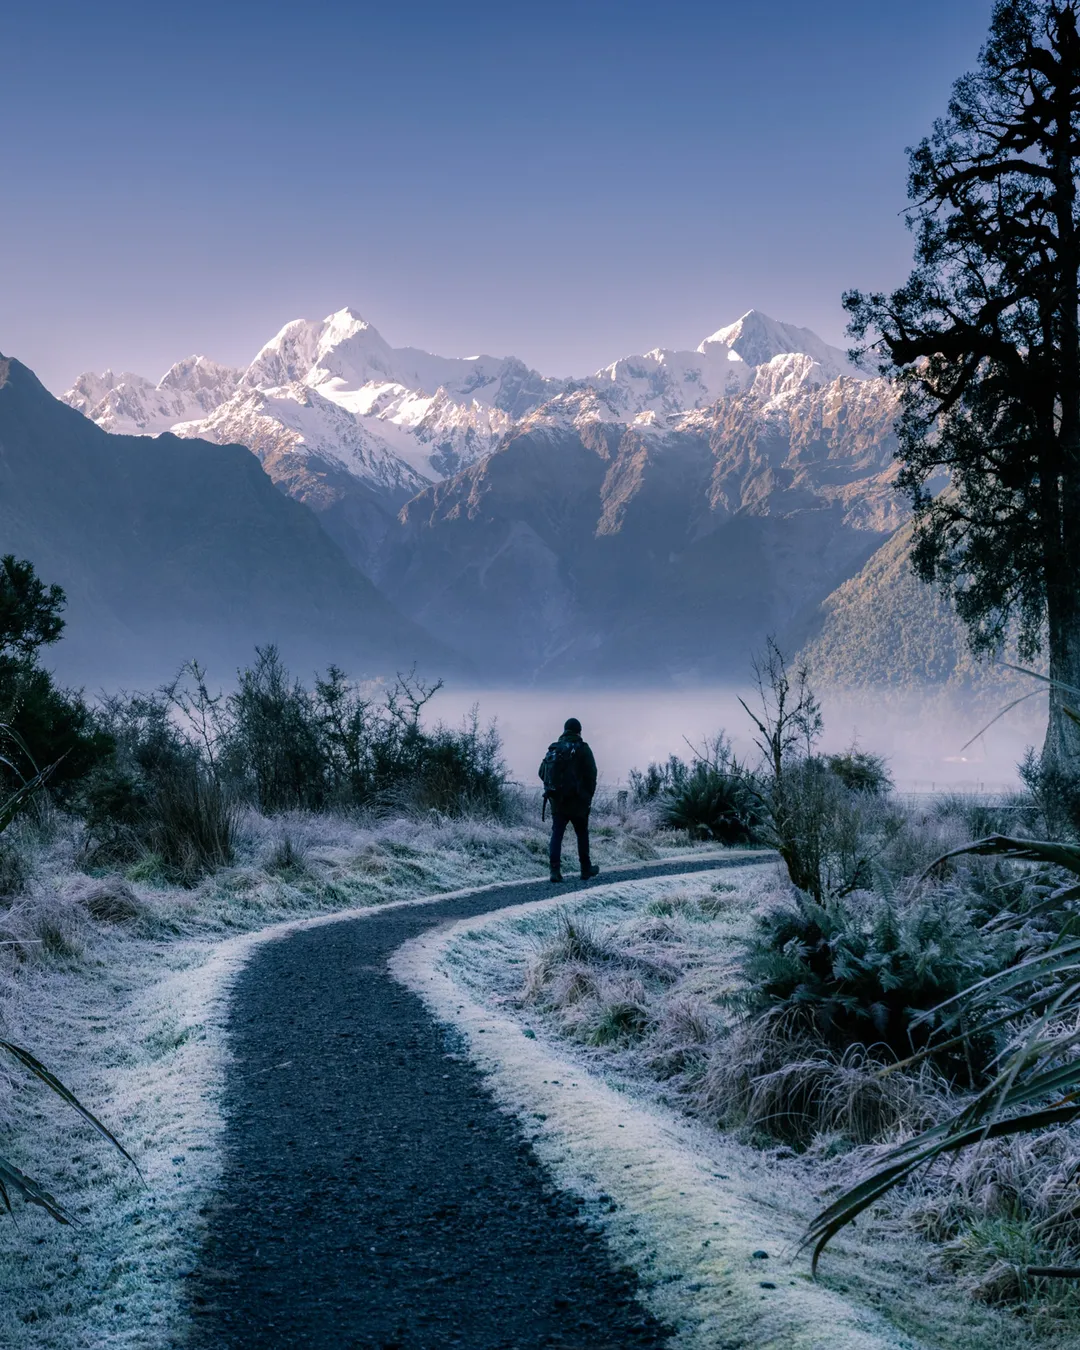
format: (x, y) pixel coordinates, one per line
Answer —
(120, 984)
(627, 986)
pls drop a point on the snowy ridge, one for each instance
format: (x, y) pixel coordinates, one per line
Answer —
(132, 405)
(300, 421)
(757, 339)
(398, 418)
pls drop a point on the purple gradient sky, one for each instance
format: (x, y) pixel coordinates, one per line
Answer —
(570, 182)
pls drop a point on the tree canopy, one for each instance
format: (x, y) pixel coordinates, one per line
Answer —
(29, 610)
(984, 339)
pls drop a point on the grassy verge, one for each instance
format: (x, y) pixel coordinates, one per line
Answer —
(630, 987)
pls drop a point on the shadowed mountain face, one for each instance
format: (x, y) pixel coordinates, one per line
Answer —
(594, 549)
(884, 628)
(171, 549)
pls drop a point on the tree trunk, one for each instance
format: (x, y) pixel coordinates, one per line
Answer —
(1061, 480)
(1062, 746)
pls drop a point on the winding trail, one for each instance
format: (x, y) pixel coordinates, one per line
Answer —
(373, 1194)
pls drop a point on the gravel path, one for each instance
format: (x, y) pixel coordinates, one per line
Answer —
(373, 1195)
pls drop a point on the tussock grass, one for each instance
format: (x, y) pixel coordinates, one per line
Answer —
(656, 991)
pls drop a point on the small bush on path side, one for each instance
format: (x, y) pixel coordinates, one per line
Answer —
(866, 970)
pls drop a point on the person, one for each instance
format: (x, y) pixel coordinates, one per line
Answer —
(568, 771)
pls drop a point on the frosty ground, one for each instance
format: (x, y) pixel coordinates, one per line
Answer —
(122, 986)
(130, 1009)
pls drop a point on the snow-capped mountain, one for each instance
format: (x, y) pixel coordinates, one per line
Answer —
(656, 517)
(754, 352)
(756, 339)
(593, 545)
(132, 405)
(397, 417)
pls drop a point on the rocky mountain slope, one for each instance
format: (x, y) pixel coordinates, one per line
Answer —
(664, 546)
(175, 548)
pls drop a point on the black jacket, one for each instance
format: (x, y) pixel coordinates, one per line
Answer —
(579, 802)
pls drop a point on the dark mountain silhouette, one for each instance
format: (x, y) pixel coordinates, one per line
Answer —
(174, 548)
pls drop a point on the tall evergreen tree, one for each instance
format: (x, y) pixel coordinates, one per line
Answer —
(984, 339)
(54, 723)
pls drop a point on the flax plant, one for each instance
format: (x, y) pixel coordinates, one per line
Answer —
(1034, 1004)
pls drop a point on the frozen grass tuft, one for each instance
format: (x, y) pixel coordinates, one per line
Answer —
(783, 1085)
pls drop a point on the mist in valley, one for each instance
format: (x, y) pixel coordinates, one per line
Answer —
(923, 737)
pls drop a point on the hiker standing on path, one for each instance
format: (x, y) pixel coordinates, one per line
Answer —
(569, 774)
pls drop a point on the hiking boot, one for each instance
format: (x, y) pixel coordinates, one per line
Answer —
(590, 872)
(555, 876)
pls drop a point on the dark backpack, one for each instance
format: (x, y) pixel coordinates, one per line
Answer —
(560, 771)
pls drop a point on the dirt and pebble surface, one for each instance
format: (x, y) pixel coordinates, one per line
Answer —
(373, 1193)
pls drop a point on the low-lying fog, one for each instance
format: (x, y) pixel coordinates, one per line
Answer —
(922, 740)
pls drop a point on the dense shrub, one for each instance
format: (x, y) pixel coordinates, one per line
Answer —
(657, 781)
(861, 771)
(712, 802)
(157, 797)
(710, 798)
(271, 747)
(191, 826)
(51, 728)
(460, 772)
(861, 970)
(340, 745)
(182, 756)
(55, 725)
(1054, 798)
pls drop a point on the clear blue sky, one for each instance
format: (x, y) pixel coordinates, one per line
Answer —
(570, 182)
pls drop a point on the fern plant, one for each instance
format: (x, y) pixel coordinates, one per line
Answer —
(1034, 1002)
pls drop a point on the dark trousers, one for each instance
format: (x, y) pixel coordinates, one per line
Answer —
(580, 822)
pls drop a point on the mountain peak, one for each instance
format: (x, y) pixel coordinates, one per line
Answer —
(757, 339)
(344, 324)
